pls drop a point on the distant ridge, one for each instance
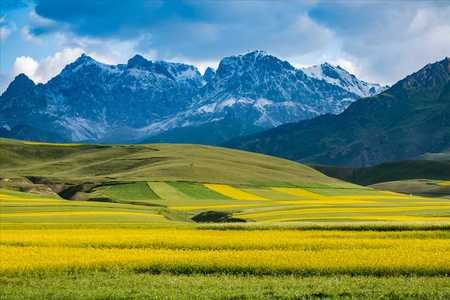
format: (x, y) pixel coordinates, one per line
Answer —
(409, 119)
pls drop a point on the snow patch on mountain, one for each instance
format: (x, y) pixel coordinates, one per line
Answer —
(82, 129)
(338, 76)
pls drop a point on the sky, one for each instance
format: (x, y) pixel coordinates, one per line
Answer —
(379, 41)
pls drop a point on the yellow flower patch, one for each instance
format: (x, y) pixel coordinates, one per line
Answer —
(298, 192)
(232, 192)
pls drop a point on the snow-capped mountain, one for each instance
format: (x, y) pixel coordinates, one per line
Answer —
(340, 77)
(164, 101)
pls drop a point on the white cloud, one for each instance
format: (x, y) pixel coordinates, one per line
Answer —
(406, 40)
(47, 68)
(25, 64)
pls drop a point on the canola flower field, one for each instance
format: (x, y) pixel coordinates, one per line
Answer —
(48, 244)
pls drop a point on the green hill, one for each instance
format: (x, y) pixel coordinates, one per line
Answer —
(422, 187)
(392, 171)
(76, 163)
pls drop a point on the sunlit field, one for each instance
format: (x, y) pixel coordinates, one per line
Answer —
(343, 243)
(261, 203)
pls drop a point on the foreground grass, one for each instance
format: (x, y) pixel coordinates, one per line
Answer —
(129, 285)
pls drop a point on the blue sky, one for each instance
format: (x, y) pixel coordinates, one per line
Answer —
(380, 41)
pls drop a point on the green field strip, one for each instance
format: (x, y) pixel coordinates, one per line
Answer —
(167, 192)
(198, 191)
(137, 191)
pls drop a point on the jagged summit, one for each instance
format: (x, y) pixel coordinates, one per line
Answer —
(80, 63)
(340, 77)
(22, 77)
(21, 84)
(83, 59)
(138, 61)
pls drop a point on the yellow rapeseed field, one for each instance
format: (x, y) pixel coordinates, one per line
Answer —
(75, 213)
(335, 210)
(211, 251)
(233, 192)
(298, 192)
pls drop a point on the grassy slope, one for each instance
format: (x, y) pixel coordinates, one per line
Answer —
(425, 187)
(392, 171)
(131, 191)
(163, 162)
(417, 177)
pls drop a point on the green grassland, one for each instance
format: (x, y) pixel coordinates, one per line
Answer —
(129, 285)
(162, 162)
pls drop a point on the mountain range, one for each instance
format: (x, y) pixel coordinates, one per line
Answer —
(158, 101)
(409, 119)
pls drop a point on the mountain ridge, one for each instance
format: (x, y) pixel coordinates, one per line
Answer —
(144, 99)
(409, 119)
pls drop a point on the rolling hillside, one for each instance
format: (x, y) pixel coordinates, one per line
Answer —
(184, 183)
(422, 187)
(75, 163)
(424, 176)
(391, 171)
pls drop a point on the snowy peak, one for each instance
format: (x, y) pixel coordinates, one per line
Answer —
(340, 77)
(181, 72)
(83, 60)
(175, 71)
(82, 63)
(253, 62)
